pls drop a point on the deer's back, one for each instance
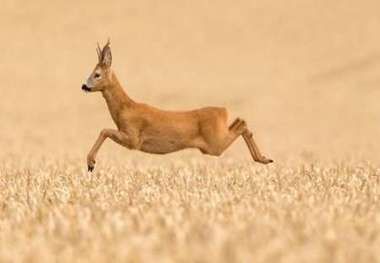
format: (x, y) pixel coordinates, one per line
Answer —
(173, 130)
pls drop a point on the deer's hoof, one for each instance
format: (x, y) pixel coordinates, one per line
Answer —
(90, 163)
(90, 168)
(265, 160)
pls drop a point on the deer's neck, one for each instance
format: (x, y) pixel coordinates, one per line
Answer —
(116, 98)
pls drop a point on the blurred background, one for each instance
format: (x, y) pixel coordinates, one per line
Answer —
(305, 74)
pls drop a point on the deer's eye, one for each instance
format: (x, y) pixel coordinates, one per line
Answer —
(97, 75)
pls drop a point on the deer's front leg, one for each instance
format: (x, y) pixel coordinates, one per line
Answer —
(115, 135)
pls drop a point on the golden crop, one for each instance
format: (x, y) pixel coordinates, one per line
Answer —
(189, 211)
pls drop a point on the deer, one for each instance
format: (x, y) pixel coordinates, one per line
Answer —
(151, 130)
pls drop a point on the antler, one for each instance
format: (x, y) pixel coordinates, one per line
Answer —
(99, 51)
(102, 51)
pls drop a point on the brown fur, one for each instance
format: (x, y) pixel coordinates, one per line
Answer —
(151, 130)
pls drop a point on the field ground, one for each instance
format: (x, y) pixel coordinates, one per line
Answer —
(189, 210)
(304, 74)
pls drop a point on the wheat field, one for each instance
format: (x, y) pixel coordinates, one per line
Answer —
(304, 75)
(189, 210)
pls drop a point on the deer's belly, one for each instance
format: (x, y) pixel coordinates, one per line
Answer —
(169, 135)
(161, 145)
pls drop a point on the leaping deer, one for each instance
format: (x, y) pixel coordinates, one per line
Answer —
(151, 130)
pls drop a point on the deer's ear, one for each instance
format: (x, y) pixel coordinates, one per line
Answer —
(107, 56)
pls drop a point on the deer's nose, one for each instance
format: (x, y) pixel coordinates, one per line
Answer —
(85, 88)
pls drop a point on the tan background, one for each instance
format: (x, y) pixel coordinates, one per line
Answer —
(304, 73)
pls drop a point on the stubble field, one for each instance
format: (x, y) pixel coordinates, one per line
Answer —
(189, 211)
(303, 74)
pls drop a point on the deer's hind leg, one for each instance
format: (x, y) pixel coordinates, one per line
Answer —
(254, 149)
(237, 128)
(248, 138)
(219, 139)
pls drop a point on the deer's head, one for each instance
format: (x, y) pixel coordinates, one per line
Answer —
(100, 77)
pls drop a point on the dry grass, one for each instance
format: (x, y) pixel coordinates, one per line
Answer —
(189, 211)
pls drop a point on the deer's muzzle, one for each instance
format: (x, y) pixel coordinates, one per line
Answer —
(85, 87)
